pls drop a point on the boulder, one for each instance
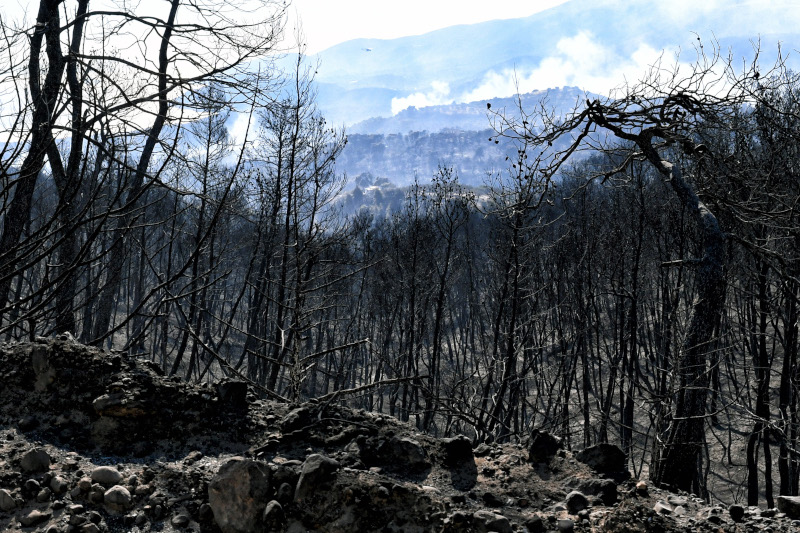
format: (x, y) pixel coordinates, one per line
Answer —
(737, 512)
(117, 498)
(35, 460)
(35, 517)
(789, 505)
(238, 495)
(273, 516)
(406, 452)
(485, 521)
(606, 459)
(7, 502)
(316, 470)
(457, 451)
(543, 446)
(605, 489)
(576, 502)
(106, 475)
(232, 393)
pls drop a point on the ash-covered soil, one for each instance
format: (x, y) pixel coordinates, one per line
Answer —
(92, 441)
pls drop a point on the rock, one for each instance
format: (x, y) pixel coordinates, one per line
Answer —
(407, 452)
(238, 495)
(77, 520)
(662, 507)
(117, 498)
(606, 459)
(285, 493)
(85, 484)
(180, 520)
(488, 521)
(273, 516)
(565, 525)
(192, 458)
(44, 495)
(605, 489)
(543, 447)
(534, 524)
(90, 528)
(315, 471)
(576, 502)
(789, 505)
(737, 512)
(457, 451)
(297, 419)
(233, 393)
(32, 486)
(7, 502)
(641, 488)
(675, 500)
(59, 485)
(106, 476)
(35, 460)
(492, 500)
(35, 517)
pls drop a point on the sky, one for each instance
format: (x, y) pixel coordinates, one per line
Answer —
(327, 22)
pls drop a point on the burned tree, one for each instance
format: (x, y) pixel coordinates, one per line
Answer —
(664, 121)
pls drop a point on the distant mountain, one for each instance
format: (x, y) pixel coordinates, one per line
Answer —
(590, 43)
(471, 116)
(418, 141)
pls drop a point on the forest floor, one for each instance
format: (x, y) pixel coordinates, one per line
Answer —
(92, 441)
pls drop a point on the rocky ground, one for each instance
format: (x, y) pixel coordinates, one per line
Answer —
(93, 441)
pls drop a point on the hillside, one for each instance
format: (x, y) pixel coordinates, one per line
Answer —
(95, 441)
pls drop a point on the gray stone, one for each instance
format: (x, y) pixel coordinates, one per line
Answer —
(77, 520)
(90, 528)
(457, 451)
(492, 500)
(233, 393)
(605, 489)
(606, 459)
(535, 524)
(106, 476)
(7, 502)
(35, 460)
(180, 520)
(238, 495)
(59, 485)
(408, 452)
(576, 502)
(35, 517)
(662, 507)
(789, 505)
(565, 525)
(117, 498)
(273, 516)
(737, 512)
(285, 493)
(488, 521)
(44, 495)
(543, 447)
(315, 471)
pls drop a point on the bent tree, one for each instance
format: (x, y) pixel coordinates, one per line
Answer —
(667, 120)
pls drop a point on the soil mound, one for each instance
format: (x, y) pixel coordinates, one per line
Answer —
(92, 441)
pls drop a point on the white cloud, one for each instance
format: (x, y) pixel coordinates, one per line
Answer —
(438, 95)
